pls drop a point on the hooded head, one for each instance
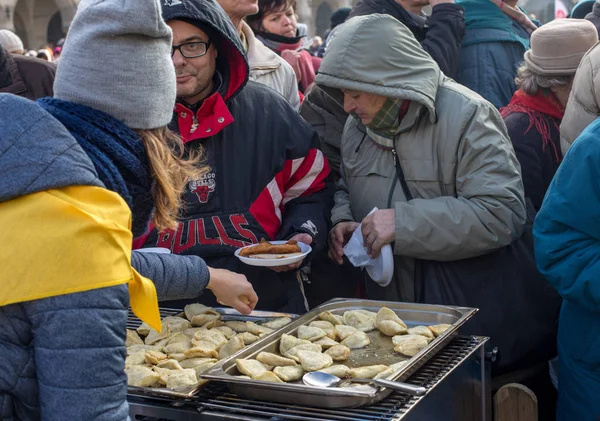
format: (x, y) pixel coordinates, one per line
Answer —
(224, 66)
(339, 16)
(358, 61)
(582, 9)
(117, 59)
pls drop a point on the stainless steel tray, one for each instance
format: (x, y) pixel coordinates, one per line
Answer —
(227, 314)
(379, 352)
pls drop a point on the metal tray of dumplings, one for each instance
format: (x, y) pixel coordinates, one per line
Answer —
(380, 351)
(227, 314)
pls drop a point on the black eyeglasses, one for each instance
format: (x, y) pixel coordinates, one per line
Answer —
(191, 49)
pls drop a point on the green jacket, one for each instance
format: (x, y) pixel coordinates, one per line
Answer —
(453, 146)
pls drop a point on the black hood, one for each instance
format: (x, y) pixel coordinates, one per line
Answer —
(390, 7)
(383, 7)
(595, 10)
(208, 15)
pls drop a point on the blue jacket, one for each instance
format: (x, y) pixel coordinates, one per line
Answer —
(62, 358)
(567, 246)
(489, 59)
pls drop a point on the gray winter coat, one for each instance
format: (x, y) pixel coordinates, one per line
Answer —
(453, 146)
(62, 358)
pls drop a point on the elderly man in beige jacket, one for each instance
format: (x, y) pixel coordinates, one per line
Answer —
(266, 67)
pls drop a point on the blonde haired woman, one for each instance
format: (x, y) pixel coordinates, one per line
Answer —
(83, 173)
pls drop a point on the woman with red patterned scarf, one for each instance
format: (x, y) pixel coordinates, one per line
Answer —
(535, 111)
(276, 25)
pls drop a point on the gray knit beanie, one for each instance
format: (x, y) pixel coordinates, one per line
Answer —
(117, 59)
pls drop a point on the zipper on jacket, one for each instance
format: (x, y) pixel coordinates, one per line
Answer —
(360, 144)
(194, 124)
(391, 194)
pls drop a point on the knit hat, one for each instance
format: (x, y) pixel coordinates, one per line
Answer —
(558, 47)
(117, 59)
(11, 41)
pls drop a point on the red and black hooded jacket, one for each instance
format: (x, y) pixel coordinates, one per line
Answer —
(267, 177)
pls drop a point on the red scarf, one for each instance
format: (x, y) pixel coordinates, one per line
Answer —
(537, 107)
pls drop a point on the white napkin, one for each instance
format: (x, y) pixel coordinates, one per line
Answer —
(381, 269)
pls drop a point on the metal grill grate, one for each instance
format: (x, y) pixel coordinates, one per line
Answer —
(133, 322)
(216, 401)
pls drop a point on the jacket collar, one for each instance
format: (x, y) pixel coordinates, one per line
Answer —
(259, 56)
(211, 118)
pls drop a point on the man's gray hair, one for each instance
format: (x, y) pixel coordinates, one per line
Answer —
(530, 82)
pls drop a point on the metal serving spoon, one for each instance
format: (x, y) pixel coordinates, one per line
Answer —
(320, 379)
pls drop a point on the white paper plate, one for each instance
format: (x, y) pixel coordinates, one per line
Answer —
(160, 250)
(383, 270)
(253, 261)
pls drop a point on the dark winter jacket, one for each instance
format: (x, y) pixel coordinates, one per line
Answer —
(440, 34)
(266, 179)
(28, 77)
(491, 52)
(539, 162)
(490, 67)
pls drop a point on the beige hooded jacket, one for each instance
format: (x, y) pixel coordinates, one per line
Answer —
(453, 146)
(268, 68)
(584, 102)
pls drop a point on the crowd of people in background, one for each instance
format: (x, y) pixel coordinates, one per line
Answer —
(202, 126)
(14, 45)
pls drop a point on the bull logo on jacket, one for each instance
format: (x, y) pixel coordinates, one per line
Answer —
(203, 187)
(172, 2)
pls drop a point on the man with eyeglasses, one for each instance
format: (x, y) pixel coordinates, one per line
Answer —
(267, 178)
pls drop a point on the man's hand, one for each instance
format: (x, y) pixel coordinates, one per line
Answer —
(338, 237)
(434, 3)
(301, 238)
(232, 289)
(378, 229)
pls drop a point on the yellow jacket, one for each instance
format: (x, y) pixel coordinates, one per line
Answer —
(69, 240)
